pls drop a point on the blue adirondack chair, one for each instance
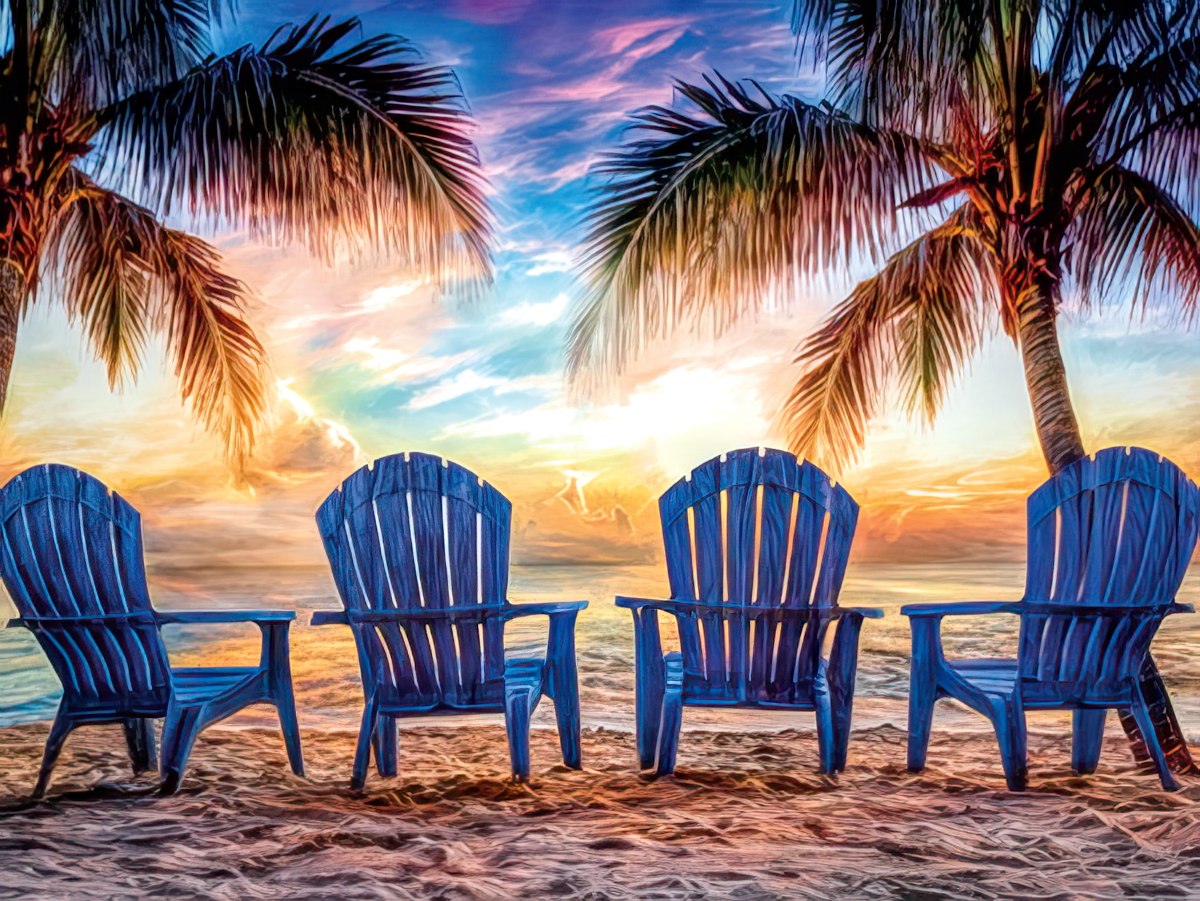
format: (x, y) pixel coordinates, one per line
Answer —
(72, 563)
(756, 547)
(1109, 540)
(419, 552)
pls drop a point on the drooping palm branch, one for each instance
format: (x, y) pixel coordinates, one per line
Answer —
(1063, 136)
(116, 114)
(123, 274)
(917, 321)
(701, 220)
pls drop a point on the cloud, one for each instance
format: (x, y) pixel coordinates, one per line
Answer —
(528, 313)
(468, 382)
(686, 413)
(392, 364)
(617, 39)
(490, 12)
(462, 383)
(551, 261)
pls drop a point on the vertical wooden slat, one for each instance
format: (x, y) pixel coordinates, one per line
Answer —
(495, 523)
(741, 474)
(710, 566)
(128, 563)
(462, 534)
(839, 535)
(797, 641)
(1071, 535)
(677, 539)
(675, 515)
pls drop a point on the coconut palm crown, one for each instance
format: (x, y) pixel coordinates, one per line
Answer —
(997, 161)
(115, 116)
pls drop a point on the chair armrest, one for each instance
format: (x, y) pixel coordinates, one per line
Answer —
(329, 618)
(547, 608)
(197, 617)
(628, 603)
(864, 612)
(961, 608)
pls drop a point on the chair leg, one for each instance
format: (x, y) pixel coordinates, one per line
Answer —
(1087, 737)
(516, 723)
(562, 682)
(385, 740)
(277, 659)
(826, 737)
(179, 734)
(139, 736)
(1009, 721)
(648, 684)
(843, 668)
(922, 693)
(1145, 722)
(649, 718)
(668, 731)
(59, 731)
(921, 699)
(362, 753)
(566, 714)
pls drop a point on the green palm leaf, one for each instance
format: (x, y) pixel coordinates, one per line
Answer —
(915, 322)
(316, 139)
(703, 218)
(125, 275)
(1132, 236)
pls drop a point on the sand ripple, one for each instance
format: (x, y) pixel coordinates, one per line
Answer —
(746, 817)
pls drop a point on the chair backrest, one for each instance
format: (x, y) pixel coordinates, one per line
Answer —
(72, 562)
(754, 528)
(1116, 529)
(422, 535)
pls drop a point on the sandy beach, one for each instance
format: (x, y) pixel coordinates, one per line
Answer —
(747, 816)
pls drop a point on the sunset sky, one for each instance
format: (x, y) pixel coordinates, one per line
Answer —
(370, 362)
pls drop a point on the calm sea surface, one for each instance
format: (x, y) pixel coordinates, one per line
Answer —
(326, 675)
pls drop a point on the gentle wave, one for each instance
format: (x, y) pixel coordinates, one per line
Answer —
(329, 693)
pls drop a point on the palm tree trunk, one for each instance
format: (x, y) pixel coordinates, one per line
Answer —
(1046, 377)
(1058, 433)
(12, 295)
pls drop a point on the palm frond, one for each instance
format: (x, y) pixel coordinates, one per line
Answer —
(703, 218)
(1132, 234)
(346, 147)
(92, 52)
(124, 275)
(903, 65)
(914, 323)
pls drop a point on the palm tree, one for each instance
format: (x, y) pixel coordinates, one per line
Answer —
(997, 160)
(115, 114)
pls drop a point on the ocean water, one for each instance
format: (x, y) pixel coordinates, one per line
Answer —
(329, 694)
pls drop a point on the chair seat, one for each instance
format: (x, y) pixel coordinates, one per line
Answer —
(990, 675)
(198, 685)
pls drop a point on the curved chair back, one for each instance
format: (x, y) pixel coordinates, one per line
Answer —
(72, 563)
(424, 536)
(1117, 530)
(755, 528)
